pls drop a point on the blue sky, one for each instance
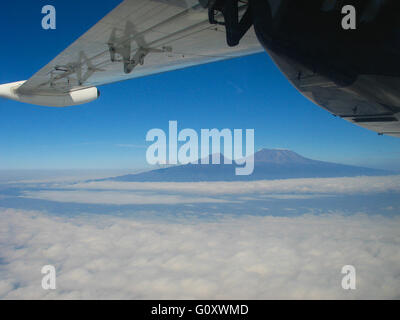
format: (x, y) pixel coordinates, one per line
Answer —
(247, 92)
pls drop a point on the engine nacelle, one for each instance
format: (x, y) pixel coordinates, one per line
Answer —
(73, 98)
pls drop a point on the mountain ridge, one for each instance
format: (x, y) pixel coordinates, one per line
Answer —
(269, 164)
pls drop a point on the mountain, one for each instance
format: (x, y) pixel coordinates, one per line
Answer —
(268, 164)
(280, 156)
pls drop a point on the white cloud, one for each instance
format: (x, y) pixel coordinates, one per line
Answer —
(116, 197)
(312, 185)
(248, 257)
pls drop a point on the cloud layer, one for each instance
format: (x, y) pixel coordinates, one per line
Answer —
(313, 185)
(247, 257)
(116, 197)
(172, 193)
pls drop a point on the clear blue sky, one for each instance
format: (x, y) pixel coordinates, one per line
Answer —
(247, 92)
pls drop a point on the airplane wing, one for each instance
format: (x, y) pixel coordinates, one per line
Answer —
(144, 37)
(138, 38)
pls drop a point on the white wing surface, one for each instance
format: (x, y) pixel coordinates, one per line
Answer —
(138, 38)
